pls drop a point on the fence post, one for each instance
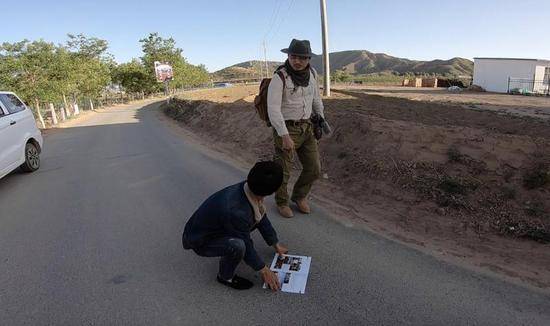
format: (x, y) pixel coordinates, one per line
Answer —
(39, 114)
(63, 115)
(76, 110)
(54, 115)
(508, 85)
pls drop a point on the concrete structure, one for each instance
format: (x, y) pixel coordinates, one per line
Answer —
(504, 74)
(429, 82)
(420, 82)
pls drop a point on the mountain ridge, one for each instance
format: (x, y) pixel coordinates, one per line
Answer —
(360, 62)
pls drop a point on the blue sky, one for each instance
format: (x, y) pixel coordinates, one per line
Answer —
(221, 33)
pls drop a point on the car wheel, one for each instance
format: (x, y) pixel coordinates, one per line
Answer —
(32, 158)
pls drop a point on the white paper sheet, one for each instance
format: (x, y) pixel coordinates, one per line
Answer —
(292, 271)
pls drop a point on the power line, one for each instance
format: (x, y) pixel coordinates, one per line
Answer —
(273, 19)
(282, 20)
(265, 58)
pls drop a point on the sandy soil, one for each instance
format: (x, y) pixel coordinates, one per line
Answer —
(464, 97)
(468, 185)
(519, 105)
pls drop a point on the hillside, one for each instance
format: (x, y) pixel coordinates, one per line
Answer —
(365, 62)
(360, 62)
(248, 69)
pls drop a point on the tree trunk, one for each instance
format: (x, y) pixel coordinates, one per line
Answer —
(39, 114)
(66, 106)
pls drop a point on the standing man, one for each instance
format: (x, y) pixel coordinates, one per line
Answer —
(290, 104)
(221, 226)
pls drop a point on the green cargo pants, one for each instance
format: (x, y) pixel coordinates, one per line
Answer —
(308, 154)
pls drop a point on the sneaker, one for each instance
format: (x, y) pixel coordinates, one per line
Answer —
(237, 283)
(285, 211)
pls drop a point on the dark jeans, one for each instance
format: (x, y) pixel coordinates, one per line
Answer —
(230, 249)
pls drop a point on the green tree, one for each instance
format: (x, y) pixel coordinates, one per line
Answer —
(157, 48)
(133, 77)
(341, 76)
(89, 66)
(34, 70)
(90, 47)
(42, 70)
(83, 68)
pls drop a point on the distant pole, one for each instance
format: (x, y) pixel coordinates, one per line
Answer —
(166, 87)
(265, 60)
(326, 65)
(261, 69)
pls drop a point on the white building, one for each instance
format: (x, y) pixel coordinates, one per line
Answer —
(502, 75)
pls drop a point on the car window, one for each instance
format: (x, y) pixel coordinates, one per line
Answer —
(12, 103)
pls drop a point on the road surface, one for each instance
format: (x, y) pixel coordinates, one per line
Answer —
(94, 238)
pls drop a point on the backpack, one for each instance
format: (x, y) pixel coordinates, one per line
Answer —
(260, 101)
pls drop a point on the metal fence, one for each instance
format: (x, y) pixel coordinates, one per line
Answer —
(528, 86)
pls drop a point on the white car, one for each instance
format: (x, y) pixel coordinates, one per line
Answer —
(20, 139)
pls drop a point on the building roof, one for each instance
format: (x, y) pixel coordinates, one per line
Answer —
(523, 59)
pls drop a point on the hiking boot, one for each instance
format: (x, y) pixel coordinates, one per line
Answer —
(237, 283)
(303, 206)
(285, 211)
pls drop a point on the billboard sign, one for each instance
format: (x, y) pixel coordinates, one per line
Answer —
(163, 71)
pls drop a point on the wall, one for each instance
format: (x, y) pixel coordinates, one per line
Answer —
(492, 74)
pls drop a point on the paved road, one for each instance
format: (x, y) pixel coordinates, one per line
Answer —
(93, 238)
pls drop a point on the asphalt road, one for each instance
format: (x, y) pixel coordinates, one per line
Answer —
(94, 238)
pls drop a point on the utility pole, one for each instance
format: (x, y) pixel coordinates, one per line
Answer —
(261, 69)
(265, 60)
(261, 66)
(326, 65)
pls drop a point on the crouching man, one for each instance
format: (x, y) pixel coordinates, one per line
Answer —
(221, 226)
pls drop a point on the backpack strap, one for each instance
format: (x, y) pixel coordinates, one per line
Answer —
(282, 75)
(313, 72)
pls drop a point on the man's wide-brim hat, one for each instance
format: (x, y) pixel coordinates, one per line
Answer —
(299, 47)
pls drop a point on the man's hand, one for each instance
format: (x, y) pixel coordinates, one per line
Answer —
(288, 143)
(270, 279)
(280, 249)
